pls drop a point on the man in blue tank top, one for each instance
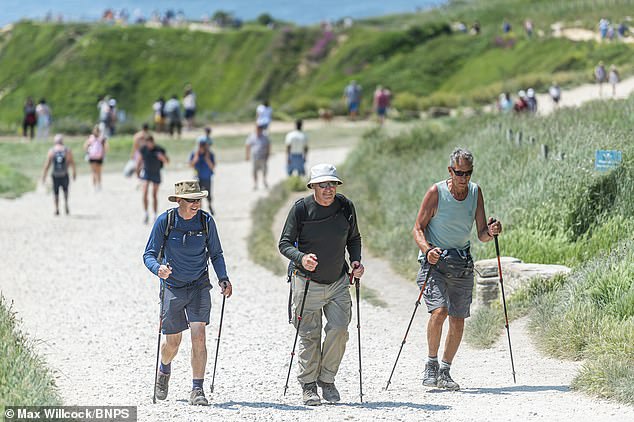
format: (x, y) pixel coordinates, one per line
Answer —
(443, 227)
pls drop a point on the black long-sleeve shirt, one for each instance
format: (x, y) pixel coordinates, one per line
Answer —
(327, 239)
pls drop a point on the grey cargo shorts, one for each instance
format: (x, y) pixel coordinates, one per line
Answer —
(183, 305)
(450, 284)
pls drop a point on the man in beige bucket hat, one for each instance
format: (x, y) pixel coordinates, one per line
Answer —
(183, 239)
(318, 230)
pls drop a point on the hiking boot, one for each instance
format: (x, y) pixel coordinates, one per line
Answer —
(445, 381)
(430, 377)
(162, 384)
(197, 397)
(329, 391)
(309, 394)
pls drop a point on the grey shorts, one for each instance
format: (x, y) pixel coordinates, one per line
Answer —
(450, 284)
(259, 164)
(182, 305)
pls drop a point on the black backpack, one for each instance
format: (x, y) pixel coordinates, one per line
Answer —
(301, 216)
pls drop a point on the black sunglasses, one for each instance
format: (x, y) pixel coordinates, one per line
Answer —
(462, 173)
(191, 201)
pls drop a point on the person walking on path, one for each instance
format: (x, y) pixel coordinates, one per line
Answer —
(382, 97)
(443, 226)
(600, 76)
(138, 141)
(296, 150)
(153, 157)
(60, 157)
(185, 274)
(96, 148)
(206, 137)
(203, 161)
(613, 79)
(319, 258)
(352, 94)
(173, 113)
(44, 119)
(258, 149)
(30, 118)
(263, 115)
(189, 104)
(555, 93)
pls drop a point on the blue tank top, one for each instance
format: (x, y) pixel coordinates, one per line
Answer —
(450, 227)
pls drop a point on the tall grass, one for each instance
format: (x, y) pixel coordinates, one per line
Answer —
(24, 378)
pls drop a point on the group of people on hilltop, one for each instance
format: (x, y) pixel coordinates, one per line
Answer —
(526, 102)
(601, 76)
(169, 115)
(608, 32)
(39, 115)
(381, 100)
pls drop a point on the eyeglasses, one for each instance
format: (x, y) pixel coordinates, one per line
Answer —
(191, 201)
(325, 185)
(462, 173)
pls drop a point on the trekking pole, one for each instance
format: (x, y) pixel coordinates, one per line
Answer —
(222, 314)
(420, 295)
(299, 321)
(158, 345)
(506, 317)
(357, 283)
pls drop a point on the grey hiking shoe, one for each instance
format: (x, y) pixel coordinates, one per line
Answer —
(197, 397)
(430, 377)
(329, 391)
(162, 384)
(309, 394)
(445, 381)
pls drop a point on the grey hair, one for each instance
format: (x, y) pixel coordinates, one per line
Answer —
(460, 154)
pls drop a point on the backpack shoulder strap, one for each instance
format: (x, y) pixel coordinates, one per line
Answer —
(168, 228)
(346, 208)
(301, 214)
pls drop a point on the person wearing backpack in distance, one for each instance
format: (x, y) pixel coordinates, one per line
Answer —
(443, 227)
(190, 239)
(318, 230)
(153, 157)
(96, 148)
(60, 157)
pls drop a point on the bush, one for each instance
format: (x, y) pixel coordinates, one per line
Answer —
(406, 101)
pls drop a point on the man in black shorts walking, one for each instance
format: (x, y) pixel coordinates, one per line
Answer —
(60, 157)
(153, 157)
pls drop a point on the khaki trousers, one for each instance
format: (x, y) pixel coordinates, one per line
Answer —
(319, 361)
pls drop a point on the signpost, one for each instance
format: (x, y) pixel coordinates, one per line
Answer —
(605, 160)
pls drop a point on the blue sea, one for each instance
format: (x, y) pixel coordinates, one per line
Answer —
(302, 12)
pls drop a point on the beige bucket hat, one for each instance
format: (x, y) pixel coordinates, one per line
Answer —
(187, 189)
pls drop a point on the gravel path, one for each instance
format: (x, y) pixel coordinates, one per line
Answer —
(80, 287)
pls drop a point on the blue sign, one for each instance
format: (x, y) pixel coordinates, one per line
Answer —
(605, 160)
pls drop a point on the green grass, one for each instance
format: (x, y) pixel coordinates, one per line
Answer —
(416, 55)
(13, 183)
(24, 378)
(263, 245)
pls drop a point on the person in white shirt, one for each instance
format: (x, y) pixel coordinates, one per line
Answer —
(263, 115)
(189, 104)
(296, 150)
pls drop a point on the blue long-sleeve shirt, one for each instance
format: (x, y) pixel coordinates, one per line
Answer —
(185, 249)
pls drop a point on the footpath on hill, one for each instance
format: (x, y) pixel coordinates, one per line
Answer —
(83, 293)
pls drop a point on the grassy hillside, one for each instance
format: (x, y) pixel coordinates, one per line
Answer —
(300, 69)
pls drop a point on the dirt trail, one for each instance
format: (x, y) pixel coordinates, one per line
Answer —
(80, 287)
